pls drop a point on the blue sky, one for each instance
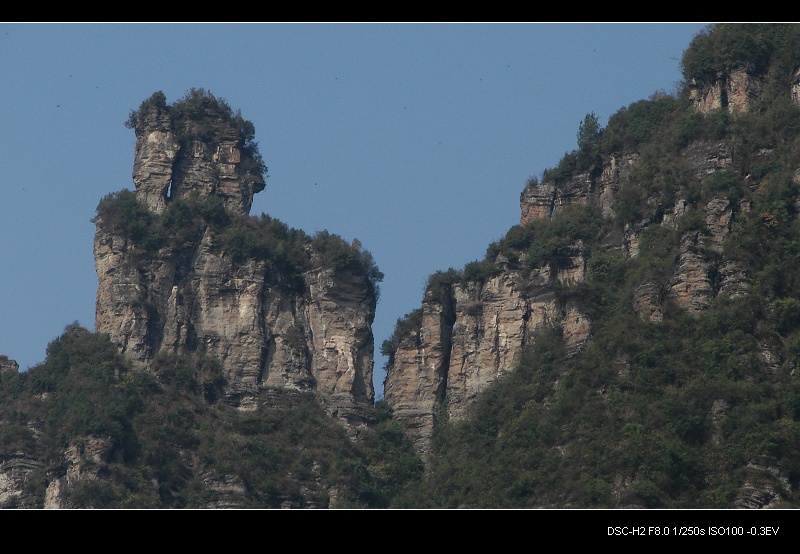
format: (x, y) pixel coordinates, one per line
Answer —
(415, 138)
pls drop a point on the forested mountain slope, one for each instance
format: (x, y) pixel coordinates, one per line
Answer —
(631, 342)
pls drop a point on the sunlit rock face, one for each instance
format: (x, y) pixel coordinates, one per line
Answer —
(171, 162)
(468, 338)
(480, 329)
(733, 90)
(194, 297)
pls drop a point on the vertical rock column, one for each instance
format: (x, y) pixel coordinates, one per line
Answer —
(339, 313)
(416, 380)
(156, 151)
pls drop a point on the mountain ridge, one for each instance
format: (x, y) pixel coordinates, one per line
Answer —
(631, 343)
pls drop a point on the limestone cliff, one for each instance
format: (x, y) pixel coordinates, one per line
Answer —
(655, 270)
(481, 328)
(733, 90)
(277, 309)
(473, 330)
(8, 365)
(470, 332)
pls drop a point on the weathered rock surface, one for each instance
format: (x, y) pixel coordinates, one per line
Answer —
(545, 200)
(468, 339)
(7, 365)
(166, 167)
(16, 471)
(733, 90)
(647, 301)
(464, 343)
(83, 460)
(194, 298)
(766, 486)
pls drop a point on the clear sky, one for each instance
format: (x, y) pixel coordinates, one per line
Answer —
(415, 138)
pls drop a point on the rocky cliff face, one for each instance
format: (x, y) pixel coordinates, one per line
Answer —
(463, 341)
(466, 342)
(545, 200)
(732, 90)
(176, 155)
(735, 90)
(469, 335)
(478, 329)
(191, 296)
(16, 470)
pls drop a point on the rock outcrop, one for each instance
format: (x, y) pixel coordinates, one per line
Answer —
(17, 471)
(7, 365)
(545, 200)
(81, 461)
(203, 152)
(733, 90)
(466, 337)
(479, 331)
(184, 270)
(189, 295)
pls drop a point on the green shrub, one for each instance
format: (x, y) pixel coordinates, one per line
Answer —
(566, 168)
(725, 46)
(157, 100)
(786, 314)
(638, 123)
(722, 181)
(193, 373)
(181, 222)
(91, 493)
(439, 285)
(409, 323)
(479, 271)
(285, 250)
(296, 337)
(123, 213)
(335, 252)
(590, 134)
(554, 241)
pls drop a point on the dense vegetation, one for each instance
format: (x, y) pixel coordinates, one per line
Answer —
(286, 253)
(681, 413)
(757, 47)
(170, 437)
(663, 414)
(765, 140)
(636, 406)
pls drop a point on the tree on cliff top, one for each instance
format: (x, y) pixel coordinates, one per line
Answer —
(199, 115)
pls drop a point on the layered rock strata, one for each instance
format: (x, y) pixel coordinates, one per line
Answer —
(466, 339)
(194, 297)
(173, 159)
(7, 365)
(733, 90)
(479, 331)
